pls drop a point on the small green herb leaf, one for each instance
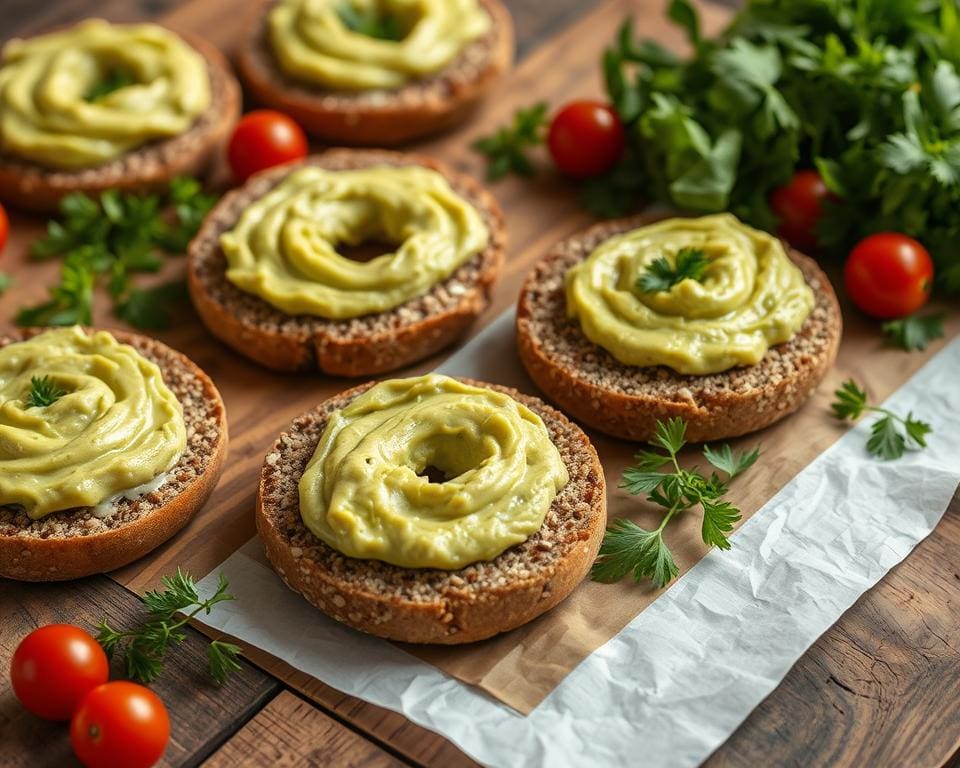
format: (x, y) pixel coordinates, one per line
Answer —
(149, 308)
(851, 401)
(43, 392)
(690, 264)
(915, 332)
(718, 520)
(886, 440)
(114, 80)
(917, 430)
(629, 548)
(369, 22)
(671, 435)
(144, 649)
(725, 460)
(506, 150)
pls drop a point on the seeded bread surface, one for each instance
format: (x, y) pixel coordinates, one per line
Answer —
(381, 117)
(431, 605)
(360, 346)
(32, 187)
(75, 543)
(626, 401)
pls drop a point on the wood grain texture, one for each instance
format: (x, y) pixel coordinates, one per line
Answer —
(292, 732)
(202, 714)
(877, 689)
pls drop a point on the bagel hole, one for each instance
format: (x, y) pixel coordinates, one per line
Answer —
(366, 251)
(111, 79)
(433, 474)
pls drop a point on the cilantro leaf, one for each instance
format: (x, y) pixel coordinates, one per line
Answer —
(718, 520)
(369, 22)
(914, 332)
(149, 308)
(660, 275)
(886, 440)
(506, 149)
(851, 401)
(725, 460)
(628, 548)
(917, 430)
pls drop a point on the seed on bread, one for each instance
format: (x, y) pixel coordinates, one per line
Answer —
(626, 401)
(355, 347)
(431, 605)
(76, 543)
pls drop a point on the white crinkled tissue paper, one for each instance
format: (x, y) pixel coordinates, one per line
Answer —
(678, 680)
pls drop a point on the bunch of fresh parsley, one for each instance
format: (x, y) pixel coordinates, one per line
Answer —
(867, 91)
(145, 648)
(111, 239)
(628, 548)
(890, 435)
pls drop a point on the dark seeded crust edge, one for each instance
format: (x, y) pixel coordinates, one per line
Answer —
(434, 606)
(74, 544)
(32, 187)
(626, 402)
(381, 118)
(362, 346)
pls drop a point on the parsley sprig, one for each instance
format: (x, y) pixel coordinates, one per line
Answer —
(369, 22)
(506, 150)
(112, 239)
(914, 332)
(113, 80)
(145, 648)
(891, 434)
(661, 275)
(43, 392)
(628, 548)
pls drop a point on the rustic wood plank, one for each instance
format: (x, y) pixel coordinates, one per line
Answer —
(879, 688)
(290, 731)
(202, 714)
(25, 17)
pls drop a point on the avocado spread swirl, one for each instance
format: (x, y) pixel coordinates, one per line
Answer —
(312, 42)
(751, 296)
(51, 108)
(365, 491)
(284, 247)
(115, 426)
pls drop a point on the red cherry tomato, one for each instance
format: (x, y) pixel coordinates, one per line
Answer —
(54, 667)
(889, 275)
(4, 227)
(263, 139)
(799, 206)
(586, 138)
(120, 725)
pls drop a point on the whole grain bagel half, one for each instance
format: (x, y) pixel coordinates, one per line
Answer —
(76, 543)
(431, 605)
(32, 187)
(626, 401)
(361, 346)
(380, 117)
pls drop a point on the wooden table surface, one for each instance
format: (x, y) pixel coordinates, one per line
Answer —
(880, 688)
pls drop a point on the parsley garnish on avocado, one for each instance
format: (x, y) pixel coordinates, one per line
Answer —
(660, 275)
(113, 80)
(43, 392)
(369, 23)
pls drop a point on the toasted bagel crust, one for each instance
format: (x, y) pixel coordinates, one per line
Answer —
(361, 346)
(430, 605)
(32, 187)
(624, 401)
(381, 118)
(74, 544)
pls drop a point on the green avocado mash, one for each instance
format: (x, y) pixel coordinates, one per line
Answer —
(312, 42)
(51, 108)
(751, 296)
(365, 492)
(115, 427)
(284, 247)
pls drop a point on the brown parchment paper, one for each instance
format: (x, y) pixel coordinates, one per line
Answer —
(521, 667)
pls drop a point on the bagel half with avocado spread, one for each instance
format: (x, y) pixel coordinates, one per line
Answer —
(271, 274)
(109, 443)
(376, 72)
(100, 106)
(644, 319)
(432, 509)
